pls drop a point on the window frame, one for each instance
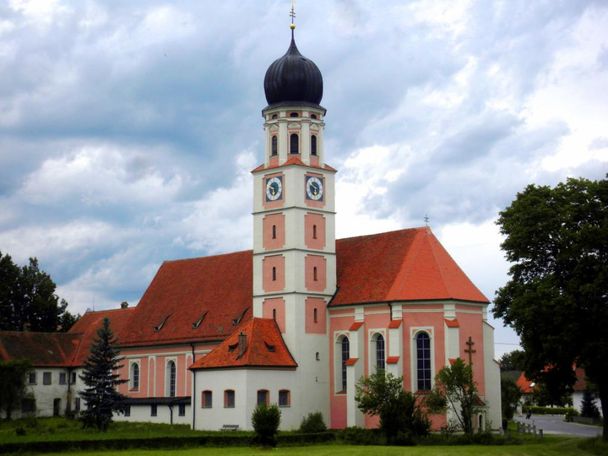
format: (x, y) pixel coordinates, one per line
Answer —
(274, 146)
(134, 376)
(313, 146)
(171, 378)
(287, 403)
(266, 397)
(227, 401)
(32, 378)
(294, 144)
(414, 332)
(47, 375)
(206, 399)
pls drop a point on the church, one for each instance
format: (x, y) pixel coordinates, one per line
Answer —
(297, 320)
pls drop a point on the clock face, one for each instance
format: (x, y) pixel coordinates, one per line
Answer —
(274, 188)
(314, 188)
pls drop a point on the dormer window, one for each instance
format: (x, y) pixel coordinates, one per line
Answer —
(294, 144)
(274, 147)
(313, 145)
(238, 319)
(198, 322)
(161, 324)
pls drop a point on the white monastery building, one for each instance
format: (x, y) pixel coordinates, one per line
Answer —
(295, 321)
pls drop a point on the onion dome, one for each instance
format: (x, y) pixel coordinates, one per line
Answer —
(293, 79)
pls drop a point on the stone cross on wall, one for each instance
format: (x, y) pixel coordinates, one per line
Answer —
(469, 350)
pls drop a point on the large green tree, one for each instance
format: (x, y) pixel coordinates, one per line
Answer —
(513, 361)
(28, 300)
(100, 376)
(12, 384)
(557, 296)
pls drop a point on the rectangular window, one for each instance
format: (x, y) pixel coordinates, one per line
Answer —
(127, 410)
(31, 378)
(73, 378)
(263, 397)
(153, 410)
(63, 378)
(207, 399)
(77, 405)
(182, 409)
(28, 405)
(229, 399)
(46, 378)
(284, 398)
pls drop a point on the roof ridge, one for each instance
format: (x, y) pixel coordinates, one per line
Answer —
(417, 228)
(205, 257)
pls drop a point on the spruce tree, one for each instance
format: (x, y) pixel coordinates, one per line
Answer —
(100, 377)
(588, 407)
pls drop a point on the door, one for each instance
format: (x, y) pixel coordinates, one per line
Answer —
(56, 407)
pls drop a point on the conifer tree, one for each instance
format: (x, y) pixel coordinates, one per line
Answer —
(588, 407)
(100, 377)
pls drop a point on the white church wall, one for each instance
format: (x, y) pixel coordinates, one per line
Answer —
(491, 379)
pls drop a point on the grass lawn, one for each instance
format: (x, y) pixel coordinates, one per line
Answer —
(556, 446)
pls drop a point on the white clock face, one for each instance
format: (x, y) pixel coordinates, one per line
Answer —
(314, 188)
(274, 189)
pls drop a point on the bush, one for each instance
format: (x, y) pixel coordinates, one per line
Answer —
(266, 420)
(20, 430)
(547, 410)
(313, 423)
(570, 414)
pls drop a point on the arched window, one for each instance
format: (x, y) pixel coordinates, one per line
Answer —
(263, 397)
(134, 376)
(380, 352)
(274, 273)
(229, 399)
(314, 231)
(294, 144)
(274, 116)
(171, 373)
(345, 346)
(314, 273)
(313, 116)
(423, 361)
(313, 145)
(293, 114)
(274, 148)
(274, 231)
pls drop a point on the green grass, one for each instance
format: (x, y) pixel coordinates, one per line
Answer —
(53, 429)
(560, 446)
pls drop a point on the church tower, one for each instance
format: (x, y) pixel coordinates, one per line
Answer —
(294, 254)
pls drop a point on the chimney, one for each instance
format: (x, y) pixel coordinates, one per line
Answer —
(242, 344)
(124, 305)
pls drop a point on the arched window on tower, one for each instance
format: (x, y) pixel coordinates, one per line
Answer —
(313, 116)
(423, 361)
(274, 146)
(294, 144)
(171, 380)
(345, 349)
(380, 352)
(313, 145)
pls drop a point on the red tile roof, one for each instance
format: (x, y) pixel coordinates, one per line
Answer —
(394, 324)
(524, 385)
(351, 361)
(294, 160)
(355, 326)
(405, 265)
(263, 347)
(41, 349)
(194, 299)
(452, 323)
(392, 360)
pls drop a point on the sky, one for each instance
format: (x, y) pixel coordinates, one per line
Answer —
(128, 129)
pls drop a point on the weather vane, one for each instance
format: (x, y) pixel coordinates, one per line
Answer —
(426, 219)
(292, 13)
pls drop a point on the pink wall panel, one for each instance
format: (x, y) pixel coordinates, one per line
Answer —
(269, 262)
(472, 325)
(319, 262)
(310, 222)
(277, 305)
(319, 326)
(278, 221)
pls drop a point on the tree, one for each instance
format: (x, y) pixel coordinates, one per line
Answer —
(510, 394)
(101, 379)
(382, 394)
(455, 387)
(265, 420)
(12, 384)
(513, 361)
(557, 296)
(28, 300)
(588, 407)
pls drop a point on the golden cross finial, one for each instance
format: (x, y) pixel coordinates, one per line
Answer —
(292, 13)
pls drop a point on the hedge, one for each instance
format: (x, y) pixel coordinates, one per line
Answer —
(219, 440)
(548, 410)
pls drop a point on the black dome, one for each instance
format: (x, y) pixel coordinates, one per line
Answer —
(293, 78)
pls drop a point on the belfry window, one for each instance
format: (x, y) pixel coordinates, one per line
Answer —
(423, 361)
(274, 146)
(313, 145)
(313, 116)
(294, 144)
(293, 114)
(345, 349)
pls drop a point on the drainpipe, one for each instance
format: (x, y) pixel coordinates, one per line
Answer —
(193, 392)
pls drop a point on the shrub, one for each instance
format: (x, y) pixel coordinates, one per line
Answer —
(313, 423)
(570, 414)
(266, 420)
(20, 430)
(548, 410)
(360, 436)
